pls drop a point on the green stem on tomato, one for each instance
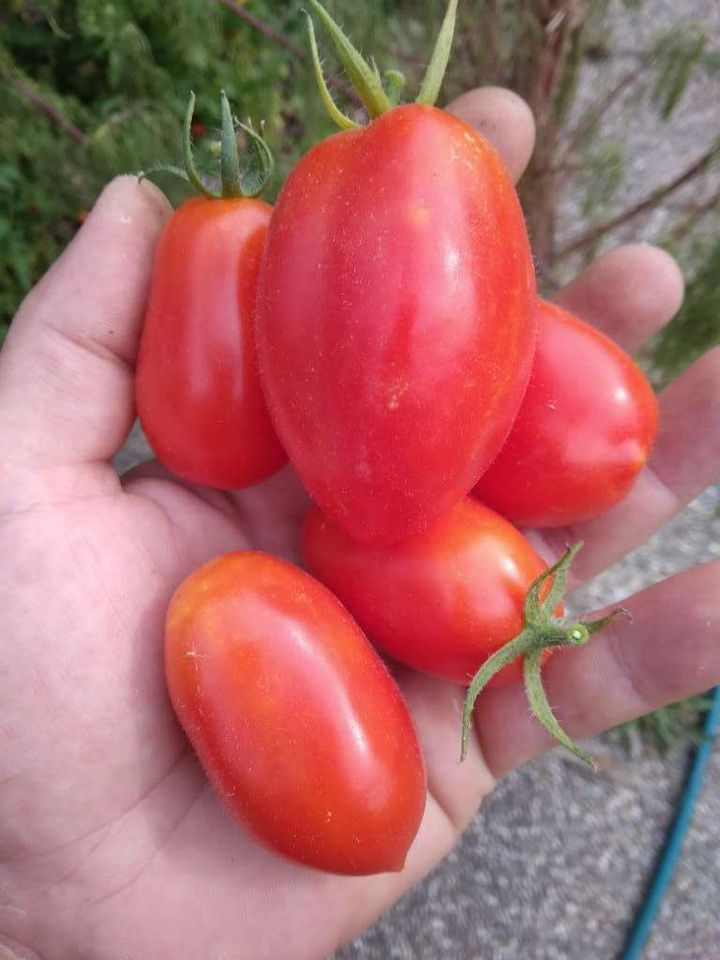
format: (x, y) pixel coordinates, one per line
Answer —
(394, 84)
(229, 158)
(430, 89)
(235, 181)
(334, 112)
(541, 631)
(558, 573)
(362, 76)
(190, 167)
(500, 659)
(260, 165)
(540, 706)
(378, 97)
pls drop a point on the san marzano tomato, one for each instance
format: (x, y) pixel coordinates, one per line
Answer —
(583, 433)
(296, 720)
(468, 600)
(441, 601)
(197, 383)
(396, 318)
(198, 390)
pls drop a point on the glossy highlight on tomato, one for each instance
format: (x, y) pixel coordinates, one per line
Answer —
(584, 431)
(295, 719)
(395, 322)
(441, 601)
(198, 390)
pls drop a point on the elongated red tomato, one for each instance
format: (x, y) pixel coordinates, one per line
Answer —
(296, 720)
(197, 389)
(396, 318)
(442, 600)
(584, 431)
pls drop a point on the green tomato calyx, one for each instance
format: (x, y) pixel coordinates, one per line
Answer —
(541, 630)
(235, 181)
(377, 97)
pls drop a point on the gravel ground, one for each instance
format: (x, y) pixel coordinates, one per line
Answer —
(654, 152)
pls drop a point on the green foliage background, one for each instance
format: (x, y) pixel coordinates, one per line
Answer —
(90, 88)
(117, 74)
(121, 72)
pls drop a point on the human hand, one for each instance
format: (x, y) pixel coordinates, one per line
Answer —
(112, 843)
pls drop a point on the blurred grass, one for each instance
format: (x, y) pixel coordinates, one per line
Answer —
(663, 730)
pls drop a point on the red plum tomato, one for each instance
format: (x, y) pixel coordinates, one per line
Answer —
(198, 389)
(441, 601)
(396, 322)
(296, 720)
(584, 431)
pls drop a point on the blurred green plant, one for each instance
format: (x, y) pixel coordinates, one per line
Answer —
(90, 88)
(665, 729)
(697, 325)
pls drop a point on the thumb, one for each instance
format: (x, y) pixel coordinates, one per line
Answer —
(66, 369)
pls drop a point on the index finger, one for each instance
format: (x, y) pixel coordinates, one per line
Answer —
(504, 119)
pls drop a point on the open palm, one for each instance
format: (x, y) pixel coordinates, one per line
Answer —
(112, 844)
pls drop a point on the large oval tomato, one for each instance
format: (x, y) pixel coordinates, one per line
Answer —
(396, 318)
(442, 600)
(296, 720)
(584, 431)
(198, 390)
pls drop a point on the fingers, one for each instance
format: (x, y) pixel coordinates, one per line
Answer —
(504, 119)
(685, 460)
(628, 293)
(66, 387)
(436, 705)
(687, 453)
(272, 512)
(669, 651)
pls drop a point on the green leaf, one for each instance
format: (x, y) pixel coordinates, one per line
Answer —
(258, 170)
(188, 158)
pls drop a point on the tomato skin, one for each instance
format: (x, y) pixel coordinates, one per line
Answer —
(198, 390)
(396, 318)
(442, 600)
(583, 433)
(294, 717)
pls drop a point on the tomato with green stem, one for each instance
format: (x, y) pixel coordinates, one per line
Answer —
(395, 323)
(468, 600)
(295, 719)
(584, 431)
(198, 389)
